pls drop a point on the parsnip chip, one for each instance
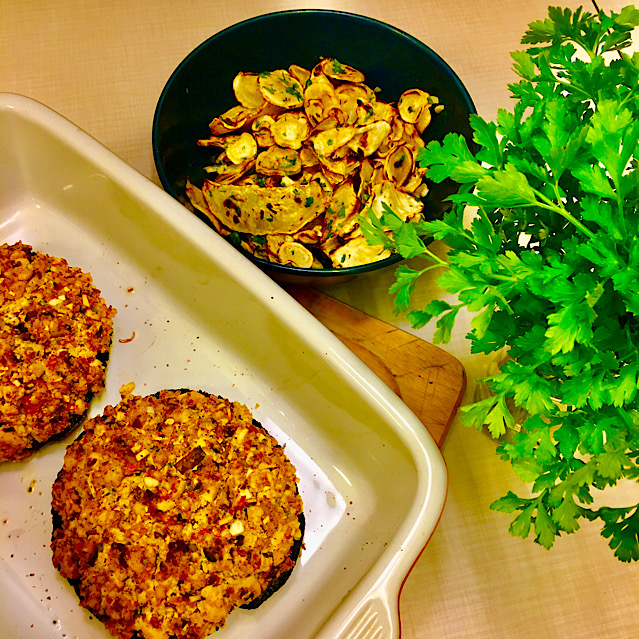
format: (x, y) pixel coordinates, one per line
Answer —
(315, 110)
(301, 74)
(337, 113)
(310, 234)
(341, 214)
(355, 92)
(242, 149)
(353, 101)
(223, 170)
(303, 154)
(319, 97)
(383, 111)
(260, 211)
(397, 132)
(368, 138)
(411, 104)
(365, 178)
(320, 88)
(220, 141)
(197, 199)
(278, 161)
(281, 88)
(226, 171)
(261, 128)
(404, 205)
(333, 178)
(338, 168)
(415, 182)
(295, 254)
(308, 156)
(399, 165)
(273, 243)
(357, 252)
(290, 130)
(247, 90)
(327, 142)
(324, 125)
(231, 120)
(424, 120)
(334, 69)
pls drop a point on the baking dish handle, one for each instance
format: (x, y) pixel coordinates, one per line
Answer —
(374, 619)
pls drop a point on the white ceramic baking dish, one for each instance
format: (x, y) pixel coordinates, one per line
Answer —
(192, 312)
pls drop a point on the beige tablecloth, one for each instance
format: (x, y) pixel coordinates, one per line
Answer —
(103, 66)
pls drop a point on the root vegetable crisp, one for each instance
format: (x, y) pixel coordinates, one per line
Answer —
(55, 335)
(303, 156)
(173, 509)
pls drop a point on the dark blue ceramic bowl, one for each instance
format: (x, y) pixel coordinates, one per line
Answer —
(201, 88)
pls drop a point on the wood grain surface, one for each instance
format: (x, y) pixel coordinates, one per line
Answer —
(430, 381)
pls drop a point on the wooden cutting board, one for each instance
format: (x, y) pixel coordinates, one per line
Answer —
(430, 381)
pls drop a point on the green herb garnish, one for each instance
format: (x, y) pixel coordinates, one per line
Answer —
(294, 91)
(338, 67)
(548, 268)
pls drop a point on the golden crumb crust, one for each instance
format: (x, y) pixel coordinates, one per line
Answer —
(55, 335)
(173, 509)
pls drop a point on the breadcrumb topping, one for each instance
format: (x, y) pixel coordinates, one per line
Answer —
(55, 334)
(173, 509)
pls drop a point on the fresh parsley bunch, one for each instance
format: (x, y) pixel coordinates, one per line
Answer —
(549, 267)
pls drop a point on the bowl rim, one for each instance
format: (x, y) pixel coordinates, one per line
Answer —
(275, 267)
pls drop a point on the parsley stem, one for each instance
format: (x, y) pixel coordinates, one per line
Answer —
(551, 205)
(431, 267)
(439, 262)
